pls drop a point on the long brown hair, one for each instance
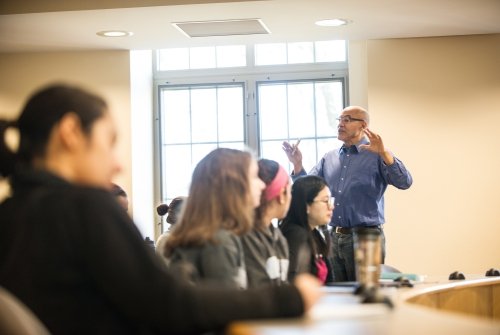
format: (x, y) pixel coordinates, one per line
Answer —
(219, 198)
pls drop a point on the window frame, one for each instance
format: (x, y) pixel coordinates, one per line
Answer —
(249, 76)
(287, 81)
(158, 126)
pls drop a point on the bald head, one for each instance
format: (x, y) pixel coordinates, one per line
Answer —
(358, 112)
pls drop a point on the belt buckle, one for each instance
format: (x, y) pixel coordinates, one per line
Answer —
(338, 230)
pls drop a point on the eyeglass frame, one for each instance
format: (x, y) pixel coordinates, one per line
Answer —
(348, 119)
(329, 203)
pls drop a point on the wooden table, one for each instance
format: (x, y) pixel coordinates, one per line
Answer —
(436, 306)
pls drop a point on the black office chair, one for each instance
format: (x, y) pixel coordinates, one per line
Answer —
(16, 318)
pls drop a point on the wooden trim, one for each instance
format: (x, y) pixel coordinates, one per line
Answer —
(479, 297)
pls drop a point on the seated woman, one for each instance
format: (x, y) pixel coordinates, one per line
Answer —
(173, 214)
(205, 246)
(305, 228)
(72, 255)
(265, 247)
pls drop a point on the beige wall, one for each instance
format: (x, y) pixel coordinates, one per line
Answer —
(358, 73)
(436, 102)
(104, 72)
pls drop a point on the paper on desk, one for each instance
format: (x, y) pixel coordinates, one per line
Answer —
(350, 308)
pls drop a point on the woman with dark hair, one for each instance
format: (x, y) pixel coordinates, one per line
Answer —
(305, 228)
(266, 249)
(206, 245)
(72, 254)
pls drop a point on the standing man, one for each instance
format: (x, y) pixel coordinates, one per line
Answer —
(358, 174)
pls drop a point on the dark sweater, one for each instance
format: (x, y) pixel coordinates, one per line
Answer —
(76, 259)
(302, 255)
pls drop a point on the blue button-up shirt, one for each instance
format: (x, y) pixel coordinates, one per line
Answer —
(358, 179)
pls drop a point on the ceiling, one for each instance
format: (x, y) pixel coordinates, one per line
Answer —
(54, 25)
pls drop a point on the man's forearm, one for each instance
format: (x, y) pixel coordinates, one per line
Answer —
(387, 157)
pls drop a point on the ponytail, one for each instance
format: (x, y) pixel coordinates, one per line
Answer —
(8, 158)
(42, 112)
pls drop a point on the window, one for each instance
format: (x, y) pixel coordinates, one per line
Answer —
(193, 121)
(204, 102)
(305, 110)
(301, 52)
(201, 57)
(330, 51)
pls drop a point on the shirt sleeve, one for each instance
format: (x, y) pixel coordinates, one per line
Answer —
(397, 174)
(317, 170)
(300, 174)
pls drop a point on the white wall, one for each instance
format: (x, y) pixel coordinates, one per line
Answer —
(142, 118)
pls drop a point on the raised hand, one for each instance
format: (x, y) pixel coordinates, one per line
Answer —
(376, 145)
(294, 154)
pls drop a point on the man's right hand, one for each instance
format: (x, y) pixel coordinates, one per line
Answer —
(294, 156)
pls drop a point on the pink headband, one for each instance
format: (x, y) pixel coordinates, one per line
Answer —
(279, 181)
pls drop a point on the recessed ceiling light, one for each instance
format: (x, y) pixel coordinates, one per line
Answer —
(115, 33)
(332, 22)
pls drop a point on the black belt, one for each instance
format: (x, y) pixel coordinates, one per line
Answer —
(347, 231)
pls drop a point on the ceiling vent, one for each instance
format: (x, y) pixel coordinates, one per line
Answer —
(222, 27)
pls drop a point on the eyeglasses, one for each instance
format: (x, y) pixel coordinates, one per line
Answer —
(329, 202)
(348, 119)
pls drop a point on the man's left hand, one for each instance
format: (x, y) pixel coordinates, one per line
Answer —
(376, 145)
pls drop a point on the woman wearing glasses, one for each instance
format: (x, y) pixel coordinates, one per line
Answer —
(305, 228)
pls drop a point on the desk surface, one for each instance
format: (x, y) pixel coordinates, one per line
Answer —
(341, 312)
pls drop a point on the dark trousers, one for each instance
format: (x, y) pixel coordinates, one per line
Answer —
(343, 255)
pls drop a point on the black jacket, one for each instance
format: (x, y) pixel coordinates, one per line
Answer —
(77, 260)
(302, 255)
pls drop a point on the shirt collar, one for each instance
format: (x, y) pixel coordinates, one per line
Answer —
(353, 148)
